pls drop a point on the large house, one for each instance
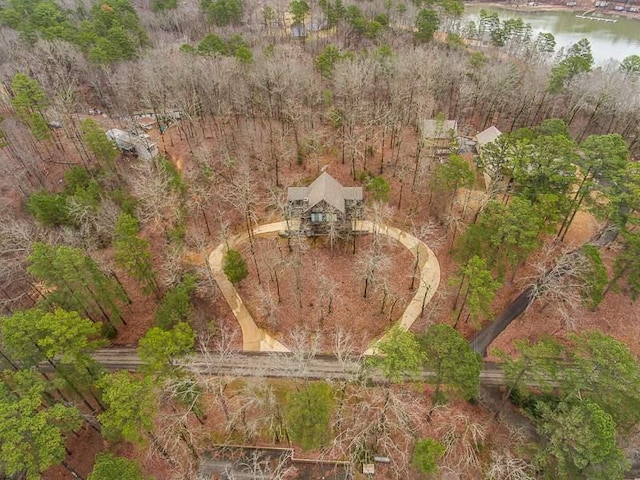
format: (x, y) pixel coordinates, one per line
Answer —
(439, 136)
(325, 207)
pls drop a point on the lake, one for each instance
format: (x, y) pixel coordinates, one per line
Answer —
(608, 40)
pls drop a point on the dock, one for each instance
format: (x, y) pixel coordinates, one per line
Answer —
(587, 16)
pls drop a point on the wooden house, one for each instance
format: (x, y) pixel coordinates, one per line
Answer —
(325, 207)
(439, 137)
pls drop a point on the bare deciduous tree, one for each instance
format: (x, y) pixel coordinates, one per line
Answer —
(158, 202)
(379, 421)
(560, 285)
(304, 345)
(242, 194)
(371, 266)
(268, 305)
(504, 466)
(215, 352)
(462, 438)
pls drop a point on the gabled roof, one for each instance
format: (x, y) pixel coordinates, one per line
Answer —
(325, 188)
(487, 136)
(435, 129)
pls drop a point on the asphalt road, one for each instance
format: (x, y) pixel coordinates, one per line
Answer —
(273, 365)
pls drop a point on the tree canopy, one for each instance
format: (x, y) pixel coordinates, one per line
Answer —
(131, 407)
(32, 434)
(400, 354)
(577, 59)
(234, 266)
(109, 467)
(175, 306)
(77, 282)
(587, 392)
(133, 253)
(455, 365)
(427, 23)
(426, 454)
(111, 31)
(158, 346)
(307, 415)
(29, 102)
(33, 336)
(223, 12)
(581, 442)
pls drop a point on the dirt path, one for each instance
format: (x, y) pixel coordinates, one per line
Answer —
(256, 339)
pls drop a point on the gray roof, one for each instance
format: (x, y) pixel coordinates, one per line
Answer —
(325, 188)
(435, 129)
(487, 136)
(127, 140)
(297, 193)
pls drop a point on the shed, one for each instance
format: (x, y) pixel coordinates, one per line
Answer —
(368, 469)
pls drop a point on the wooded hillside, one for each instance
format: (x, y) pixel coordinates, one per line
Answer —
(100, 247)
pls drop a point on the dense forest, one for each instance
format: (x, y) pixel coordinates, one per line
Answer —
(102, 250)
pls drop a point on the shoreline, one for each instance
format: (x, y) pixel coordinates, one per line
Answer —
(553, 8)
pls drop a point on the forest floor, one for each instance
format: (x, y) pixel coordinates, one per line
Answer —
(323, 275)
(423, 277)
(370, 318)
(322, 294)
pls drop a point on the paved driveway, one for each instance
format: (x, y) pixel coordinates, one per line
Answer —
(256, 339)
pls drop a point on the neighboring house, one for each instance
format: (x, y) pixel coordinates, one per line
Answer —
(325, 207)
(482, 139)
(127, 142)
(439, 137)
(486, 136)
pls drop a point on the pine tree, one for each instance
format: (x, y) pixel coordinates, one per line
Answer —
(29, 102)
(308, 413)
(400, 355)
(131, 407)
(158, 347)
(450, 357)
(175, 306)
(234, 266)
(133, 253)
(61, 339)
(32, 435)
(99, 144)
(76, 282)
(476, 291)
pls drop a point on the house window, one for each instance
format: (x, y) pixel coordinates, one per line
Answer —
(316, 217)
(330, 217)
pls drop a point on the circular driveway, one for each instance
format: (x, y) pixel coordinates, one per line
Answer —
(257, 339)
